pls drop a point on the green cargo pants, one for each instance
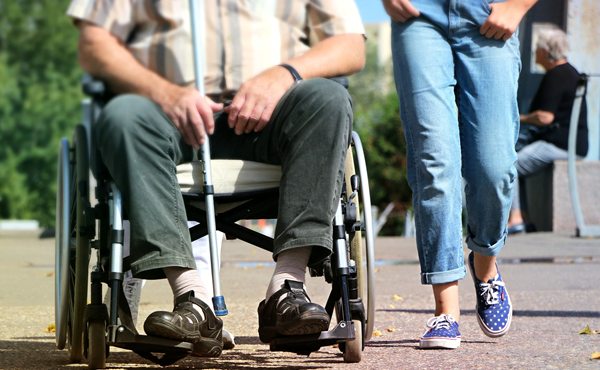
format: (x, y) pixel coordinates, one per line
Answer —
(308, 136)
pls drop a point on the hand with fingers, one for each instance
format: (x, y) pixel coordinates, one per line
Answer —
(400, 10)
(504, 19)
(191, 113)
(254, 103)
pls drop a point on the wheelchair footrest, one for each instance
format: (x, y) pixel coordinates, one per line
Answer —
(306, 344)
(148, 347)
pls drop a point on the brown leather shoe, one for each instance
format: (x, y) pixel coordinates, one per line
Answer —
(185, 324)
(294, 315)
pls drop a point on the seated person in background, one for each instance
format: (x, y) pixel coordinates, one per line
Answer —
(143, 51)
(551, 111)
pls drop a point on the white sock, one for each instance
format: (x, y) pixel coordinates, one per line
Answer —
(182, 280)
(291, 265)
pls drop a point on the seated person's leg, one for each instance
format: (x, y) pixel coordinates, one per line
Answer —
(533, 158)
(141, 149)
(308, 135)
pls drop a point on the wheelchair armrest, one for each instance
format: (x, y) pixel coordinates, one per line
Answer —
(92, 87)
(341, 80)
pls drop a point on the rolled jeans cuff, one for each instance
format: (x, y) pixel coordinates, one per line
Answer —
(487, 250)
(444, 276)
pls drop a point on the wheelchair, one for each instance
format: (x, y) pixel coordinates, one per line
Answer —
(90, 329)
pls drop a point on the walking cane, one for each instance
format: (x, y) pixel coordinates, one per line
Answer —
(198, 34)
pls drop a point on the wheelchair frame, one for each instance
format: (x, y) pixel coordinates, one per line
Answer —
(90, 330)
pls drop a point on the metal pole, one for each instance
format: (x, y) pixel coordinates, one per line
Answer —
(198, 37)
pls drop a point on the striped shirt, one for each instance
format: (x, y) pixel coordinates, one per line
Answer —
(243, 37)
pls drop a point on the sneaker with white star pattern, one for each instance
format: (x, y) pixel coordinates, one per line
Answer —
(442, 332)
(494, 309)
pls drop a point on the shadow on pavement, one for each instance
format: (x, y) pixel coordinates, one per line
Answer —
(40, 353)
(527, 313)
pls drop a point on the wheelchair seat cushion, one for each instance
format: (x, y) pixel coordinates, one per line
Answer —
(229, 177)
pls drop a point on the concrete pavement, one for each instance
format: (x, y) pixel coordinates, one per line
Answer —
(552, 279)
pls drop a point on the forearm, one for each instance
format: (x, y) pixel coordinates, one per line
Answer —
(341, 55)
(103, 56)
(538, 118)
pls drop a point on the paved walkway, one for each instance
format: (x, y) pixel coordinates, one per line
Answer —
(553, 281)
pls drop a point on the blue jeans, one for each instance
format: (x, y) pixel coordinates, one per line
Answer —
(441, 63)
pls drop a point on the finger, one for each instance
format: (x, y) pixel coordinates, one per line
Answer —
(255, 116)
(243, 117)
(397, 16)
(196, 125)
(264, 118)
(215, 107)
(491, 32)
(235, 108)
(176, 121)
(206, 114)
(411, 10)
(484, 28)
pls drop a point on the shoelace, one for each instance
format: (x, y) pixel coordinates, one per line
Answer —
(489, 291)
(444, 321)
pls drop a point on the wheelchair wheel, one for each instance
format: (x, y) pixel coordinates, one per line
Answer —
(73, 245)
(353, 349)
(96, 349)
(61, 282)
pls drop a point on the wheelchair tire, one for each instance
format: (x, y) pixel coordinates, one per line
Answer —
(362, 246)
(79, 262)
(353, 349)
(61, 265)
(96, 350)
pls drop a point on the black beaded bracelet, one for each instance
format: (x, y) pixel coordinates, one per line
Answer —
(294, 73)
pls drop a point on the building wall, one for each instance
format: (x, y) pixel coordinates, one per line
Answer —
(583, 29)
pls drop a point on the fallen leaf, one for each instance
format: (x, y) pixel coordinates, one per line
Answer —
(376, 270)
(260, 265)
(50, 274)
(377, 333)
(396, 297)
(392, 306)
(595, 356)
(586, 330)
(391, 330)
(253, 251)
(336, 346)
(51, 328)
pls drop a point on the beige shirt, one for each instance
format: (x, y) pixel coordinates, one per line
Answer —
(243, 37)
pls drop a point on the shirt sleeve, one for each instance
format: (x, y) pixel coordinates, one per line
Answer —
(327, 18)
(116, 16)
(549, 93)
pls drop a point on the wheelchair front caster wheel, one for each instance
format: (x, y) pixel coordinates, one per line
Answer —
(96, 351)
(353, 349)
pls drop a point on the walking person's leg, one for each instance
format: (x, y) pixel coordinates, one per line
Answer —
(487, 73)
(426, 90)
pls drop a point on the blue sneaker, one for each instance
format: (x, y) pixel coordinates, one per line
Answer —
(442, 333)
(494, 310)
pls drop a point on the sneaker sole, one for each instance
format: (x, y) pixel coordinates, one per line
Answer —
(499, 333)
(442, 343)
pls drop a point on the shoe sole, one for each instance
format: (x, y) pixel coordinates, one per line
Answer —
(484, 329)
(442, 343)
(207, 347)
(302, 325)
(499, 333)
(162, 329)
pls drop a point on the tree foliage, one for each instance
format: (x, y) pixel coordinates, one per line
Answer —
(39, 103)
(377, 121)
